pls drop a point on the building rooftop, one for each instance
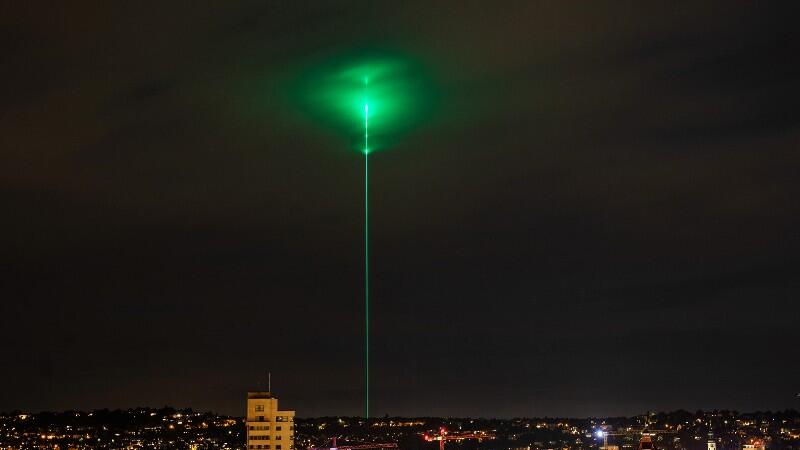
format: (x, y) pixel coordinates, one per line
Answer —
(259, 394)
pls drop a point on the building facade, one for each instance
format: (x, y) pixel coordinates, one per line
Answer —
(268, 428)
(754, 444)
(712, 444)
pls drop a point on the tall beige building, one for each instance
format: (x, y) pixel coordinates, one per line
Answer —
(267, 427)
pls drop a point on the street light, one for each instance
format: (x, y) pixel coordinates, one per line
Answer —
(604, 435)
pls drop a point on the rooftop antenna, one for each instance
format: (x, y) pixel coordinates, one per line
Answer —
(269, 382)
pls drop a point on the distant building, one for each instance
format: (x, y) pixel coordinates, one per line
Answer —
(754, 444)
(267, 427)
(712, 444)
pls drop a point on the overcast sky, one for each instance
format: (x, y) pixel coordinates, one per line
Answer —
(601, 219)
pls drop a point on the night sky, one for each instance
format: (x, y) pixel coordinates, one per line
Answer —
(600, 218)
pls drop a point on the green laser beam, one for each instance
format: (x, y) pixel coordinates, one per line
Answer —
(366, 260)
(388, 95)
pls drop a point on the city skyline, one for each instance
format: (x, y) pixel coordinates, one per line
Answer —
(169, 428)
(598, 218)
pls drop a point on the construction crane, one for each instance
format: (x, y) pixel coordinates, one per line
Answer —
(444, 436)
(354, 447)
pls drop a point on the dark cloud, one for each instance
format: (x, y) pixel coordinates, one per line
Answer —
(598, 220)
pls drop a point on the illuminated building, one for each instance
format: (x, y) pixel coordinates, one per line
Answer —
(267, 427)
(754, 444)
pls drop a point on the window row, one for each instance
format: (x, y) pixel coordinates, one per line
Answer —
(266, 437)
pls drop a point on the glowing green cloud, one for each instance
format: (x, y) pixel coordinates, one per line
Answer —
(371, 100)
(393, 94)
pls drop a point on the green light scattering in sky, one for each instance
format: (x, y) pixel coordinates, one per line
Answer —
(397, 91)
